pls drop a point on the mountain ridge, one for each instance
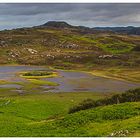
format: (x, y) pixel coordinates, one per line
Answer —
(130, 30)
(124, 30)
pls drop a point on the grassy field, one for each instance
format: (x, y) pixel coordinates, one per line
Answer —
(18, 111)
(47, 115)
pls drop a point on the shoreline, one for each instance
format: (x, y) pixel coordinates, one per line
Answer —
(99, 73)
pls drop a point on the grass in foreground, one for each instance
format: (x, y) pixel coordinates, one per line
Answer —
(47, 115)
(101, 121)
(42, 106)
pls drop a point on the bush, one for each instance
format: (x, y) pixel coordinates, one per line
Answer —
(37, 73)
(128, 96)
(88, 103)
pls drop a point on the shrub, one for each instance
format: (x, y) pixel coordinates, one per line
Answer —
(128, 96)
(37, 73)
(88, 103)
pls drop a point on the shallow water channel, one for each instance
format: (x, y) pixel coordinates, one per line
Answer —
(69, 81)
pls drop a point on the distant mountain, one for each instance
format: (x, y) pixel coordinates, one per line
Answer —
(57, 24)
(130, 30)
(62, 25)
(124, 30)
(65, 25)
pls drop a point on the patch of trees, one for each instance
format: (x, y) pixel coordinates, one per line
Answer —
(128, 96)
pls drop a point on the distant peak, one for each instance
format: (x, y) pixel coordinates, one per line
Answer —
(57, 24)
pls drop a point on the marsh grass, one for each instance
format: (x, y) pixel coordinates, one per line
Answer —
(42, 82)
(38, 74)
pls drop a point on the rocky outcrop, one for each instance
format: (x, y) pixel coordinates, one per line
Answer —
(3, 43)
(32, 51)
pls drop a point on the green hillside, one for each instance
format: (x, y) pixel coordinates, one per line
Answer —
(52, 45)
(114, 120)
(47, 115)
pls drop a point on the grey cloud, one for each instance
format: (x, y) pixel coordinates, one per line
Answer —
(31, 14)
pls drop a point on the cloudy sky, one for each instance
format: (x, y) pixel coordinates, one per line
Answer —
(92, 15)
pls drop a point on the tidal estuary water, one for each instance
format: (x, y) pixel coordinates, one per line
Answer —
(69, 81)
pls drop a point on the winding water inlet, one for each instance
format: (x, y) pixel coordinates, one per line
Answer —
(69, 81)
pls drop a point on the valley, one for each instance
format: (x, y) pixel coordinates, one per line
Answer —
(46, 70)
